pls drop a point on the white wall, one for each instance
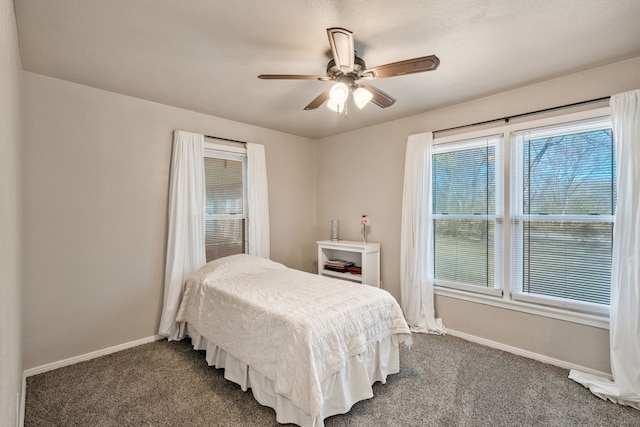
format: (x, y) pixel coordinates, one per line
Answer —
(10, 212)
(371, 166)
(95, 199)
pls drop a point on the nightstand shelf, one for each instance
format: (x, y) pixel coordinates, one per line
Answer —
(364, 255)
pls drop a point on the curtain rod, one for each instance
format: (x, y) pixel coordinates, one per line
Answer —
(507, 118)
(226, 139)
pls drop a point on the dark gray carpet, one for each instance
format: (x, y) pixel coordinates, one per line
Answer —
(444, 381)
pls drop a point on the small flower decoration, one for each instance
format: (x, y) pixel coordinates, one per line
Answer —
(364, 220)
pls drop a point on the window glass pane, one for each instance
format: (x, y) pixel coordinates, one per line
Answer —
(464, 181)
(464, 252)
(569, 174)
(224, 186)
(568, 260)
(224, 237)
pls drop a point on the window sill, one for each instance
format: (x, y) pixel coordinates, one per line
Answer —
(538, 310)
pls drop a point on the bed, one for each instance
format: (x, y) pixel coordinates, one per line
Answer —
(307, 346)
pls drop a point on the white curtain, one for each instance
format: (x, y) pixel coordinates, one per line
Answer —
(624, 327)
(185, 243)
(258, 201)
(416, 246)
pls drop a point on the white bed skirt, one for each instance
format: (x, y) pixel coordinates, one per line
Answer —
(340, 390)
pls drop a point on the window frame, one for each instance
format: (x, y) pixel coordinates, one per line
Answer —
(520, 218)
(596, 318)
(228, 152)
(456, 143)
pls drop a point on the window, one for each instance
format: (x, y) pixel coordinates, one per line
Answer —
(555, 181)
(467, 215)
(226, 203)
(563, 203)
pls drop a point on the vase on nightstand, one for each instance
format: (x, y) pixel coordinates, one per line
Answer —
(335, 229)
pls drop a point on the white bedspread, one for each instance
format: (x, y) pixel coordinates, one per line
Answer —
(295, 328)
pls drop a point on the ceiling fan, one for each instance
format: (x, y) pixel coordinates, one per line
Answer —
(347, 69)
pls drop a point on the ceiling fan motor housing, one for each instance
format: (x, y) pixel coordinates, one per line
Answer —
(334, 72)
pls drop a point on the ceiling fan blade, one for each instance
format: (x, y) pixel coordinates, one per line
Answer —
(400, 68)
(380, 98)
(291, 77)
(319, 100)
(342, 47)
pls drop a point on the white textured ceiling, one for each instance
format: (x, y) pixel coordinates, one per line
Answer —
(204, 55)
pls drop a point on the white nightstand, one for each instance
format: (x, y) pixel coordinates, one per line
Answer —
(364, 255)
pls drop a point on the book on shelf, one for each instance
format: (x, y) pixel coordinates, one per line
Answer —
(354, 269)
(338, 262)
(338, 265)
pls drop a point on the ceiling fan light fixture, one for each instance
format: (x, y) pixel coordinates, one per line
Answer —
(339, 93)
(362, 97)
(335, 106)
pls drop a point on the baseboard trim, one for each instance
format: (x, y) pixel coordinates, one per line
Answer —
(529, 354)
(88, 356)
